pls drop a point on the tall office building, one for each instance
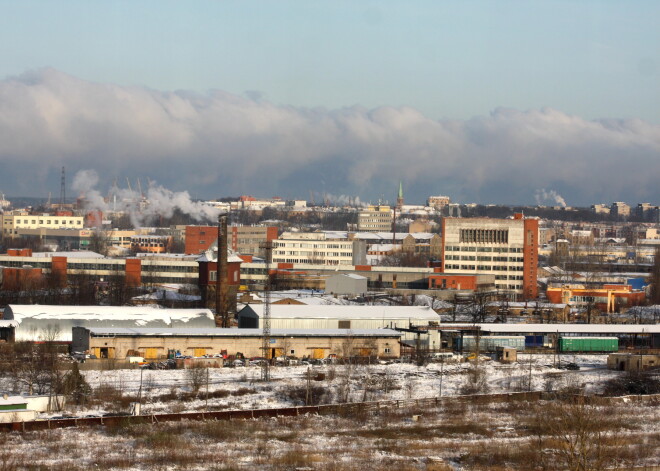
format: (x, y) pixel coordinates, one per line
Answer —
(506, 248)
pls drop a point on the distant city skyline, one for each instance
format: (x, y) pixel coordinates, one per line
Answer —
(486, 102)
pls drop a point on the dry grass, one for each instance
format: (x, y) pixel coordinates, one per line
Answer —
(473, 436)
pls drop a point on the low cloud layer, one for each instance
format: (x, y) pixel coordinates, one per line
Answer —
(217, 144)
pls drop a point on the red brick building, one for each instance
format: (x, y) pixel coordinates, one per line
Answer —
(242, 239)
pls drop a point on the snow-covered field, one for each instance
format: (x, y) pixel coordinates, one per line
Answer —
(242, 388)
(456, 436)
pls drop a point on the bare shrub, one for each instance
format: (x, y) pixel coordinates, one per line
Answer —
(196, 376)
(475, 382)
(632, 383)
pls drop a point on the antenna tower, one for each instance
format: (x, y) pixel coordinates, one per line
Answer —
(265, 318)
(62, 190)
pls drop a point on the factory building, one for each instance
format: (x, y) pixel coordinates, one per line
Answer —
(346, 317)
(155, 343)
(54, 323)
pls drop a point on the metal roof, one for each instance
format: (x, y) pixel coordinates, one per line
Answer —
(564, 328)
(291, 311)
(234, 332)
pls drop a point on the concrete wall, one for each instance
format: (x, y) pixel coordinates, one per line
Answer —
(248, 346)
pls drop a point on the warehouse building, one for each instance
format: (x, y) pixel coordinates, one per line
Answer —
(347, 317)
(156, 343)
(54, 323)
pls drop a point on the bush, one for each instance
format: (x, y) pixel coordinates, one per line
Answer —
(632, 383)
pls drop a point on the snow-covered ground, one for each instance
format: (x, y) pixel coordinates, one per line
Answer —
(242, 388)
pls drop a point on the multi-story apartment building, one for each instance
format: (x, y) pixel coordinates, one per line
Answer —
(315, 248)
(438, 202)
(506, 248)
(376, 218)
(620, 209)
(14, 221)
(245, 240)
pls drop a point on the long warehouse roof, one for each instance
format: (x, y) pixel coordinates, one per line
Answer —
(562, 328)
(233, 332)
(289, 311)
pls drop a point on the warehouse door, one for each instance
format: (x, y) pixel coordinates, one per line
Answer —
(365, 352)
(199, 352)
(106, 352)
(318, 353)
(151, 353)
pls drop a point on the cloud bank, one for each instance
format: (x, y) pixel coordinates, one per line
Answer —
(217, 144)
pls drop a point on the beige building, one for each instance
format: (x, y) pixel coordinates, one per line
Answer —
(506, 248)
(15, 220)
(376, 218)
(438, 202)
(632, 362)
(155, 344)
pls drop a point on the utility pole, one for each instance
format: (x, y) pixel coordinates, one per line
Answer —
(265, 318)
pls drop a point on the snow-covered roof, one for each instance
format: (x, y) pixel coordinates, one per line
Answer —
(530, 305)
(166, 295)
(20, 312)
(211, 255)
(353, 276)
(71, 254)
(292, 311)
(234, 332)
(565, 328)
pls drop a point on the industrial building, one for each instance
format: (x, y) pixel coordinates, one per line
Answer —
(54, 323)
(246, 240)
(347, 284)
(506, 248)
(155, 343)
(347, 317)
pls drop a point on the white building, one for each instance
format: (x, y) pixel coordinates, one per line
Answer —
(55, 323)
(315, 248)
(292, 316)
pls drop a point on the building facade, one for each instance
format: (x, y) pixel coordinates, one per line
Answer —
(376, 218)
(315, 248)
(506, 248)
(15, 220)
(245, 240)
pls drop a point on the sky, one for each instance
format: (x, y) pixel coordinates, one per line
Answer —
(484, 101)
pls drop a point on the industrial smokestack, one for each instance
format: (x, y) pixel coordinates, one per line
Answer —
(222, 278)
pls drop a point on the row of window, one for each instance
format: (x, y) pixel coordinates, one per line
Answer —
(54, 222)
(483, 258)
(490, 236)
(454, 248)
(483, 267)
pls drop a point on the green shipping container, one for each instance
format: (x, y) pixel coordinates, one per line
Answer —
(588, 344)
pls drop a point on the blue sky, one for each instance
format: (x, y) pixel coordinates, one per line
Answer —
(448, 60)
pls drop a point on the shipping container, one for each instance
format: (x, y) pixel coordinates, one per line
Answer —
(489, 343)
(588, 344)
(533, 341)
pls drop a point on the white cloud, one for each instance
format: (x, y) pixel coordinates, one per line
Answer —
(218, 144)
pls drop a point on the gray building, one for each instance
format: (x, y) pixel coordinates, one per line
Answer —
(346, 284)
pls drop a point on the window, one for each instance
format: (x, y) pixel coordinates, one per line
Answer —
(344, 325)
(388, 350)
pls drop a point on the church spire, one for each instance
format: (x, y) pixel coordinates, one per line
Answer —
(399, 198)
